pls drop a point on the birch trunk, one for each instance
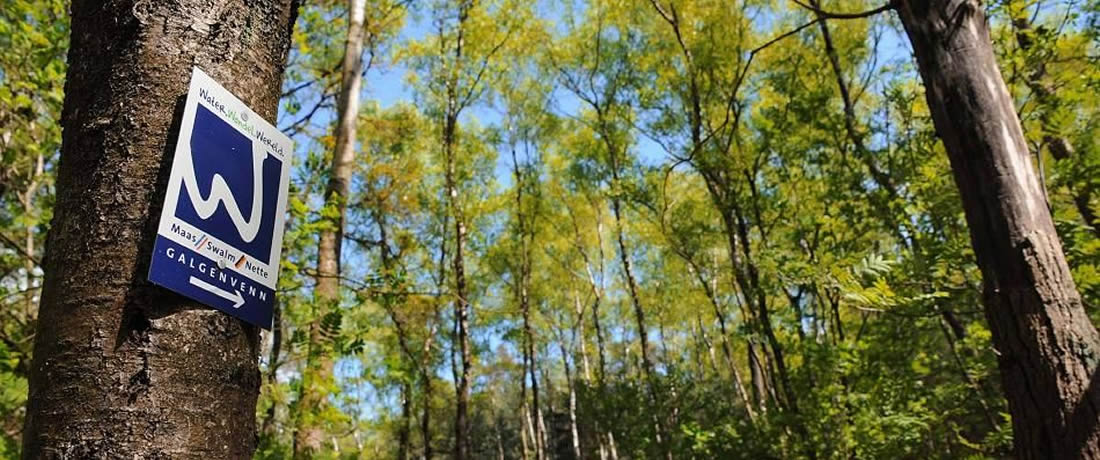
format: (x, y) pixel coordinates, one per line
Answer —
(308, 432)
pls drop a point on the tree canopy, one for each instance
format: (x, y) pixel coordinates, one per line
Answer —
(615, 228)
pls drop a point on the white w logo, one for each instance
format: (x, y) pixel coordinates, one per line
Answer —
(220, 193)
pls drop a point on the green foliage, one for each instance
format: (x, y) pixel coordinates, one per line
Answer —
(807, 284)
(34, 38)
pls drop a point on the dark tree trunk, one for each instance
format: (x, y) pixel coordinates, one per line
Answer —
(1048, 348)
(404, 433)
(462, 311)
(458, 263)
(123, 369)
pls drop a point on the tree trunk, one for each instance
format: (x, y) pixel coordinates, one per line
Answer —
(708, 289)
(639, 318)
(461, 302)
(523, 404)
(267, 427)
(458, 264)
(426, 411)
(574, 432)
(1047, 347)
(390, 304)
(405, 431)
(525, 224)
(317, 372)
(124, 369)
(426, 362)
(632, 288)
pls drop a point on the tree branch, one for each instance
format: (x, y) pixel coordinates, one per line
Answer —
(12, 244)
(832, 15)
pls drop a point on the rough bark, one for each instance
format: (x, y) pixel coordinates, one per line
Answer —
(308, 432)
(123, 369)
(1047, 346)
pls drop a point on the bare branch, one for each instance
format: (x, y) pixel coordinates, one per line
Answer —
(832, 15)
(12, 244)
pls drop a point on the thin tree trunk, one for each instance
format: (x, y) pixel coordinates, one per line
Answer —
(426, 411)
(597, 293)
(739, 283)
(703, 342)
(975, 387)
(632, 289)
(523, 402)
(640, 322)
(540, 415)
(268, 425)
(525, 234)
(528, 429)
(500, 441)
(316, 374)
(124, 369)
(405, 431)
(708, 290)
(529, 351)
(757, 377)
(1047, 346)
(461, 302)
(600, 438)
(882, 179)
(458, 266)
(29, 263)
(574, 432)
(579, 327)
(755, 293)
(388, 303)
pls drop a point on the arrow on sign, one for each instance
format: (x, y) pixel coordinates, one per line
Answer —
(235, 297)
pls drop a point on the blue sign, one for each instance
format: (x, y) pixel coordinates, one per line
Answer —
(221, 227)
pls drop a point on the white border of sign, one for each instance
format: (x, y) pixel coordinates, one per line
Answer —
(227, 107)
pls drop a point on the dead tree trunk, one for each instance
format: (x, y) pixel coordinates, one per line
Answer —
(1048, 348)
(123, 369)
